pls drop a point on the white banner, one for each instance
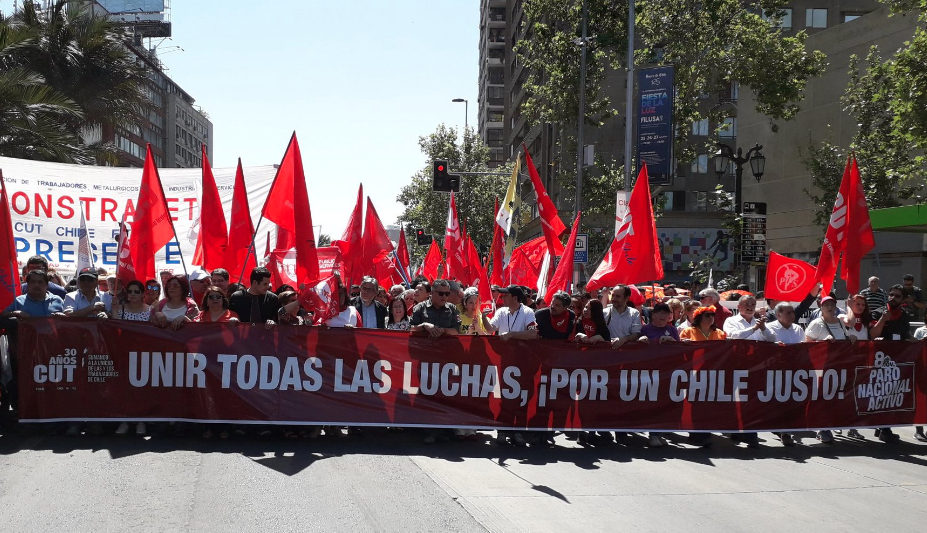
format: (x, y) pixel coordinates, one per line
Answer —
(46, 200)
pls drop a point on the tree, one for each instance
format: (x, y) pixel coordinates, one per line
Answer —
(83, 57)
(427, 209)
(325, 239)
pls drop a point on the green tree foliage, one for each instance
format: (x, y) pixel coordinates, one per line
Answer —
(427, 209)
(82, 61)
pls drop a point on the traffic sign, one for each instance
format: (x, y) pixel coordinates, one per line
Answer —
(581, 252)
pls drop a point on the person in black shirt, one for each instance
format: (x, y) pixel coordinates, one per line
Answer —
(258, 303)
(891, 323)
(592, 327)
(556, 321)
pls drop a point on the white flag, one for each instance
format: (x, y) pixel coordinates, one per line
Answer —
(84, 253)
(544, 276)
(621, 209)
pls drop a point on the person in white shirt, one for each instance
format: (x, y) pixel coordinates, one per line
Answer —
(623, 321)
(746, 326)
(784, 328)
(828, 327)
(86, 300)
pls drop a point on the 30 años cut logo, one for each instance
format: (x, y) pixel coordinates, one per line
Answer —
(60, 368)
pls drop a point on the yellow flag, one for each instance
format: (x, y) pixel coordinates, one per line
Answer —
(506, 216)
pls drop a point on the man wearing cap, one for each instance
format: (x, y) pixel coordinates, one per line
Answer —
(746, 325)
(623, 320)
(515, 320)
(87, 299)
(710, 297)
(199, 282)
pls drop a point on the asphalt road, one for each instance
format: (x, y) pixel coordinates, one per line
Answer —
(392, 482)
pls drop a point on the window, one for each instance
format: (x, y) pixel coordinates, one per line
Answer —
(494, 116)
(700, 127)
(673, 201)
(728, 129)
(852, 15)
(698, 201)
(816, 18)
(785, 15)
(700, 165)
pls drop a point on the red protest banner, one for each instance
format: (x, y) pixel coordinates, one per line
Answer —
(81, 369)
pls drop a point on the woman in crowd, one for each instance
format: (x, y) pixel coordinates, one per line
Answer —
(398, 317)
(858, 318)
(703, 327)
(592, 328)
(347, 316)
(290, 311)
(216, 307)
(828, 327)
(152, 291)
(136, 310)
(472, 321)
(177, 308)
(688, 315)
(679, 311)
(284, 288)
(383, 296)
(408, 296)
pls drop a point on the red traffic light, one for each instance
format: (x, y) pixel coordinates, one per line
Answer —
(440, 168)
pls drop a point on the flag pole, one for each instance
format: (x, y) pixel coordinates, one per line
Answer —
(244, 264)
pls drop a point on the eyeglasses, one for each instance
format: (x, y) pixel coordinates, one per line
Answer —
(215, 296)
(153, 287)
(133, 291)
(439, 293)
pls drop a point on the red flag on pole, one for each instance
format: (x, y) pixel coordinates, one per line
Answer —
(402, 252)
(287, 205)
(125, 270)
(10, 287)
(563, 276)
(453, 244)
(860, 239)
(285, 239)
(321, 298)
(835, 237)
(634, 255)
(241, 231)
(788, 279)
(432, 262)
(152, 227)
(376, 242)
(550, 219)
(213, 237)
(351, 243)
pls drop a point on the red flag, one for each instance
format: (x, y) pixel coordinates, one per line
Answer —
(125, 269)
(634, 255)
(860, 239)
(282, 264)
(473, 268)
(402, 252)
(522, 271)
(550, 220)
(287, 205)
(321, 298)
(214, 235)
(835, 237)
(241, 231)
(496, 251)
(432, 262)
(10, 287)
(351, 243)
(376, 244)
(285, 239)
(788, 279)
(563, 276)
(152, 227)
(453, 244)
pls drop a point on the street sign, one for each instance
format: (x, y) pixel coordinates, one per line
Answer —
(581, 252)
(753, 236)
(754, 208)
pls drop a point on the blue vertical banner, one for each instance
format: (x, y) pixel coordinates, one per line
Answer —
(655, 124)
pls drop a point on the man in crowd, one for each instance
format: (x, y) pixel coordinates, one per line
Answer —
(422, 291)
(152, 292)
(514, 321)
(892, 323)
(395, 291)
(624, 321)
(913, 302)
(86, 300)
(787, 332)
(875, 296)
(710, 298)
(372, 313)
(746, 325)
(220, 278)
(37, 262)
(436, 316)
(199, 282)
(165, 275)
(36, 299)
(557, 321)
(115, 293)
(659, 330)
(257, 304)
(102, 284)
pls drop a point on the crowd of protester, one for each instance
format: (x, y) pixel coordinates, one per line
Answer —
(617, 315)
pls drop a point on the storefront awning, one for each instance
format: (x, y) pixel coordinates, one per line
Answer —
(907, 219)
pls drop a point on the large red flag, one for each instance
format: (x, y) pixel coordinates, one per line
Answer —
(376, 243)
(125, 270)
(496, 251)
(835, 237)
(453, 244)
(238, 259)
(285, 239)
(788, 279)
(321, 298)
(563, 276)
(550, 219)
(351, 243)
(213, 237)
(432, 262)
(152, 227)
(474, 268)
(402, 252)
(634, 255)
(860, 239)
(287, 205)
(10, 287)
(522, 270)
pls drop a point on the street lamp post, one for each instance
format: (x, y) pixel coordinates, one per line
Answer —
(723, 157)
(466, 105)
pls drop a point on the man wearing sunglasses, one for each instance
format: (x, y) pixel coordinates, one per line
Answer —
(436, 316)
(891, 323)
(372, 313)
(87, 299)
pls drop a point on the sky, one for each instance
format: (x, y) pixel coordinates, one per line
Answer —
(359, 81)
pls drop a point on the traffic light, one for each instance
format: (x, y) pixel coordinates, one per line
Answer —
(443, 180)
(422, 238)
